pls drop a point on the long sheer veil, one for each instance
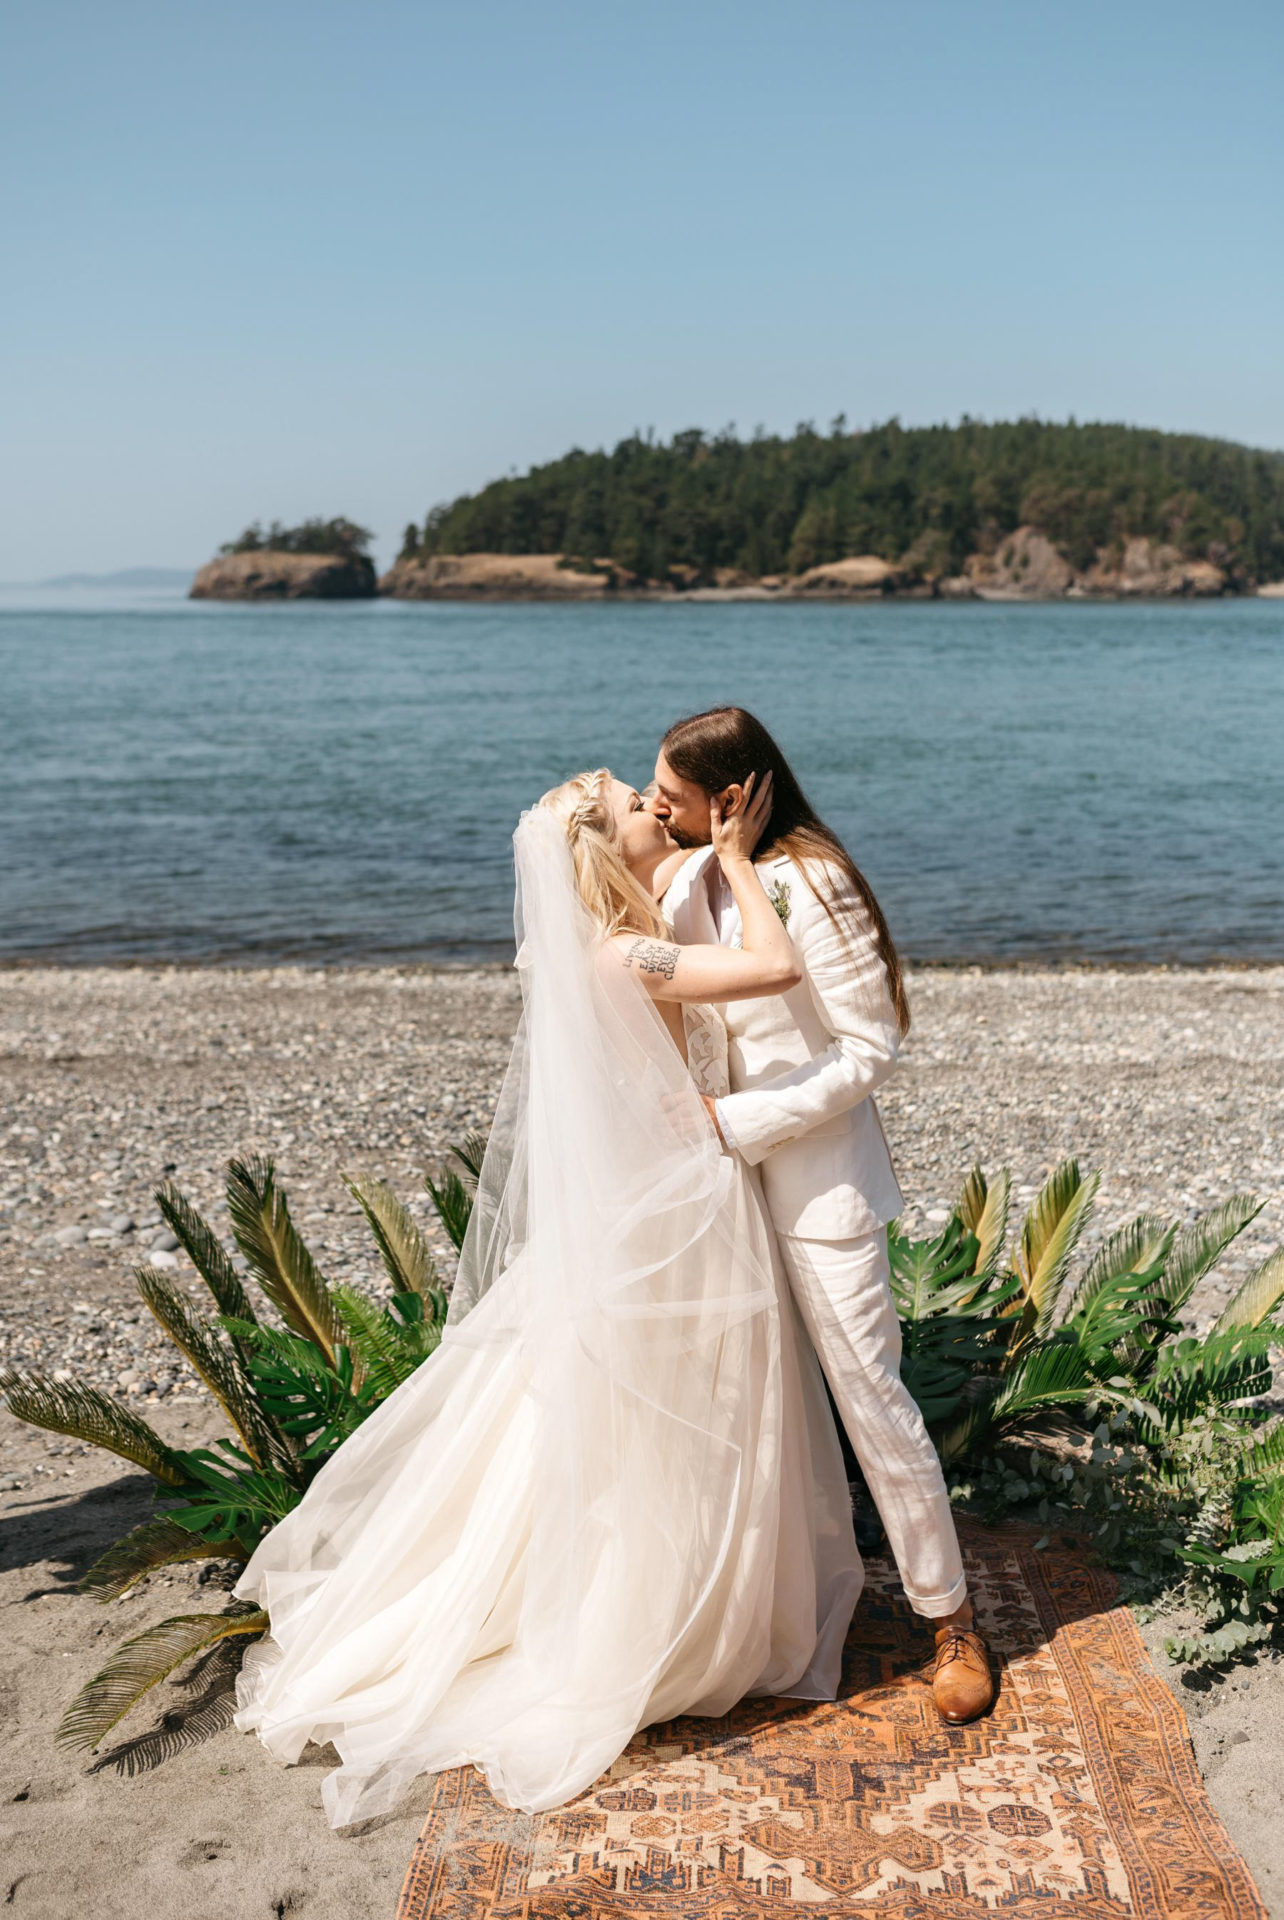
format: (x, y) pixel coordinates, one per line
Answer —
(574, 1518)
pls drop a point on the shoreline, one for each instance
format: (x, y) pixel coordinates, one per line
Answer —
(378, 964)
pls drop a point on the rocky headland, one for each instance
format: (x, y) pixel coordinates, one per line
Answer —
(269, 575)
(1024, 566)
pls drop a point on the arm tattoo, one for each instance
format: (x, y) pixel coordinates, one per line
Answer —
(652, 956)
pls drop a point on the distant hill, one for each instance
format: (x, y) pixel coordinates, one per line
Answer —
(928, 500)
(126, 577)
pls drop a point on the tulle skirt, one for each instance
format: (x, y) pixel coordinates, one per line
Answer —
(544, 1541)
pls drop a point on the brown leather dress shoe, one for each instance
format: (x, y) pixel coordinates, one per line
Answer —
(962, 1685)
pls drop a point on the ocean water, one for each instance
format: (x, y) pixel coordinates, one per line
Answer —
(186, 781)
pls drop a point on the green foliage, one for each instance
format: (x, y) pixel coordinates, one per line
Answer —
(292, 1395)
(1110, 1417)
(924, 498)
(342, 537)
(452, 1194)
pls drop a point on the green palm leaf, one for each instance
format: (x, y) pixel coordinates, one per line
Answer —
(205, 1251)
(141, 1663)
(159, 1543)
(67, 1406)
(1199, 1246)
(405, 1252)
(1057, 1373)
(983, 1209)
(219, 1366)
(1048, 1239)
(1141, 1244)
(1258, 1296)
(1265, 1456)
(280, 1260)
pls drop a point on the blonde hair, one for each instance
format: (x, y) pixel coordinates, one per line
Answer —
(615, 899)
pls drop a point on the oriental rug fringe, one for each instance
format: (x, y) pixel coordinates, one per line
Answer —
(1077, 1794)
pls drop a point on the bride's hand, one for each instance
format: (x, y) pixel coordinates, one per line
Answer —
(736, 833)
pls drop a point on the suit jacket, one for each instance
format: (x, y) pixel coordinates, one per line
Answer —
(804, 1064)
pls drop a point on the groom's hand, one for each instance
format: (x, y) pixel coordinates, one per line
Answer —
(711, 1108)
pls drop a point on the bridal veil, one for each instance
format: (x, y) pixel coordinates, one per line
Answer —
(614, 1494)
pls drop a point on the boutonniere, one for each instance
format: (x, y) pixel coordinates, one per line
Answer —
(778, 894)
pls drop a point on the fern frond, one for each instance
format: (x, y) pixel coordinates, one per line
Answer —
(281, 1262)
(159, 1543)
(1258, 1296)
(389, 1351)
(219, 1366)
(1265, 1456)
(67, 1406)
(1140, 1244)
(142, 1663)
(1201, 1245)
(405, 1252)
(1048, 1239)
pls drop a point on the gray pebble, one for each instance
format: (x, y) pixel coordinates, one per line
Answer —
(121, 1223)
(70, 1236)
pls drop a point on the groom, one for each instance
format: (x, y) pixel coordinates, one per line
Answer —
(803, 1069)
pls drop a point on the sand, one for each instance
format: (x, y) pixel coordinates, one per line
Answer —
(1170, 1081)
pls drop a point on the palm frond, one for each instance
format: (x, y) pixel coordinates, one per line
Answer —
(68, 1406)
(1199, 1246)
(1258, 1296)
(1048, 1239)
(1140, 1244)
(406, 1254)
(205, 1251)
(1054, 1374)
(142, 1663)
(158, 1543)
(983, 1209)
(454, 1204)
(219, 1366)
(212, 1685)
(470, 1152)
(1265, 1456)
(281, 1262)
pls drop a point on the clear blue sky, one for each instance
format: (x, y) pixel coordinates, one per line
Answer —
(284, 259)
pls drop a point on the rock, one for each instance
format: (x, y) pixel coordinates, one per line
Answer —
(863, 576)
(101, 1233)
(1273, 590)
(1025, 566)
(161, 1257)
(497, 576)
(121, 1223)
(1149, 568)
(70, 1236)
(165, 1242)
(285, 576)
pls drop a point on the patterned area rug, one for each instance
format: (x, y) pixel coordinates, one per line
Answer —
(1078, 1794)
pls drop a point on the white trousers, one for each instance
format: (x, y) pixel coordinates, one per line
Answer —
(844, 1294)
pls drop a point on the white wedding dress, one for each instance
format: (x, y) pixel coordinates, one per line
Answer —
(615, 1494)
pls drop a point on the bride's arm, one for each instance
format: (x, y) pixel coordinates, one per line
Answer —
(765, 963)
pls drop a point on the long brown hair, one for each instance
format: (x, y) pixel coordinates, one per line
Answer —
(721, 748)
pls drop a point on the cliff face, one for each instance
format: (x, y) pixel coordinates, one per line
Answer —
(492, 576)
(285, 576)
(1026, 566)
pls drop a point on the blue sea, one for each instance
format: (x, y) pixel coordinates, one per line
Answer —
(186, 781)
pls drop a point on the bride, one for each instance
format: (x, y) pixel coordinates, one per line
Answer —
(615, 1493)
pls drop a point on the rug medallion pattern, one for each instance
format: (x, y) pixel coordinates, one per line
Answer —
(1077, 1796)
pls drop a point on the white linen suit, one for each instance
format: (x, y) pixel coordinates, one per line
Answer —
(804, 1066)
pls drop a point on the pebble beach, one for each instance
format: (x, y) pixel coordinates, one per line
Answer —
(1170, 1081)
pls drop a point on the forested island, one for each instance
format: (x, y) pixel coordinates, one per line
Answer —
(934, 504)
(1025, 510)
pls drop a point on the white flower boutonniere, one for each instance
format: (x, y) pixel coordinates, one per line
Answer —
(778, 894)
